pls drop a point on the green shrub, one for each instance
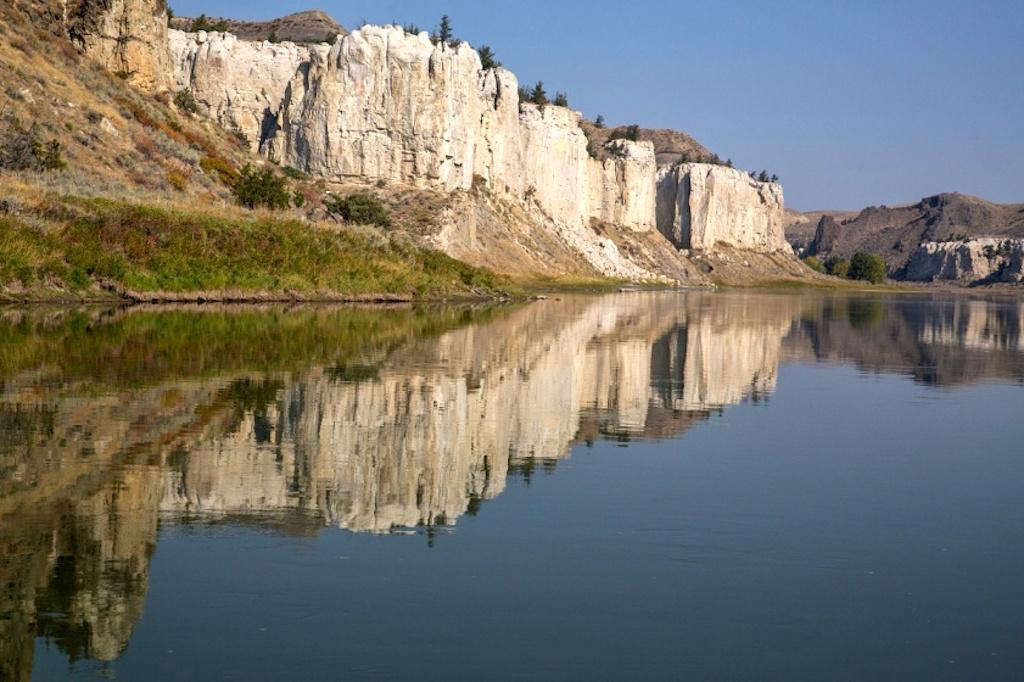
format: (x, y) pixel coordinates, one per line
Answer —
(177, 180)
(628, 133)
(814, 264)
(868, 267)
(359, 208)
(538, 95)
(184, 100)
(837, 267)
(261, 188)
(203, 23)
(763, 176)
(487, 58)
(293, 173)
(444, 32)
(23, 149)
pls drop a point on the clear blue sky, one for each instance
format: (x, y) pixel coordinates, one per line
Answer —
(851, 103)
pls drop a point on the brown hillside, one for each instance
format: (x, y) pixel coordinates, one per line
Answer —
(670, 146)
(313, 26)
(895, 232)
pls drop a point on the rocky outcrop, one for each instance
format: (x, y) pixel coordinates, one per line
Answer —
(703, 205)
(382, 104)
(985, 259)
(239, 84)
(670, 146)
(621, 191)
(127, 37)
(825, 236)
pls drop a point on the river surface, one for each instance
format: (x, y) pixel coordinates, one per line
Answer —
(664, 486)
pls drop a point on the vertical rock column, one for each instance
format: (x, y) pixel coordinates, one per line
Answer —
(702, 205)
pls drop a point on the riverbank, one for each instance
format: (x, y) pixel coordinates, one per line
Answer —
(75, 249)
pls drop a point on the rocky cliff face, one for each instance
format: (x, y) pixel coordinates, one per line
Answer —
(703, 205)
(238, 83)
(621, 191)
(985, 259)
(383, 104)
(124, 36)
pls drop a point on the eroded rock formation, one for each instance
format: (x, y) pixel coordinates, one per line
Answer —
(974, 260)
(384, 104)
(896, 232)
(127, 37)
(238, 83)
(703, 205)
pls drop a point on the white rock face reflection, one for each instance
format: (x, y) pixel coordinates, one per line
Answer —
(117, 424)
(444, 420)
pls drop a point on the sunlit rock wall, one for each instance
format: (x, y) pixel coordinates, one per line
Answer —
(996, 259)
(238, 83)
(622, 190)
(127, 37)
(702, 205)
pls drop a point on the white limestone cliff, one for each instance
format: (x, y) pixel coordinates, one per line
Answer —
(621, 190)
(383, 104)
(238, 83)
(702, 205)
(991, 258)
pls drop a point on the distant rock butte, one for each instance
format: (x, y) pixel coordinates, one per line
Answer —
(895, 233)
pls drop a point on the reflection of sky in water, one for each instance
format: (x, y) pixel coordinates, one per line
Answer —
(857, 508)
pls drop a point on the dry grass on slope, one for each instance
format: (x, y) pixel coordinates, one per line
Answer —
(60, 247)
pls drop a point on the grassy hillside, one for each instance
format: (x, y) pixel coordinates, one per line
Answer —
(108, 191)
(60, 246)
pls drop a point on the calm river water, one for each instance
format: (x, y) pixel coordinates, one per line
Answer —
(664, 486)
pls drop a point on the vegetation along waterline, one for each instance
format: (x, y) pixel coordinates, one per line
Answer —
(66, 247)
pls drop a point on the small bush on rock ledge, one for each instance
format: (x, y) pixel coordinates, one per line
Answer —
(360, 209)
(185, 101)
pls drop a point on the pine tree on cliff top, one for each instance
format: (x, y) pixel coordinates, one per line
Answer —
(444, 32)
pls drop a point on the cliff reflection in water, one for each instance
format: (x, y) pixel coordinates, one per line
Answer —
(375, 420)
